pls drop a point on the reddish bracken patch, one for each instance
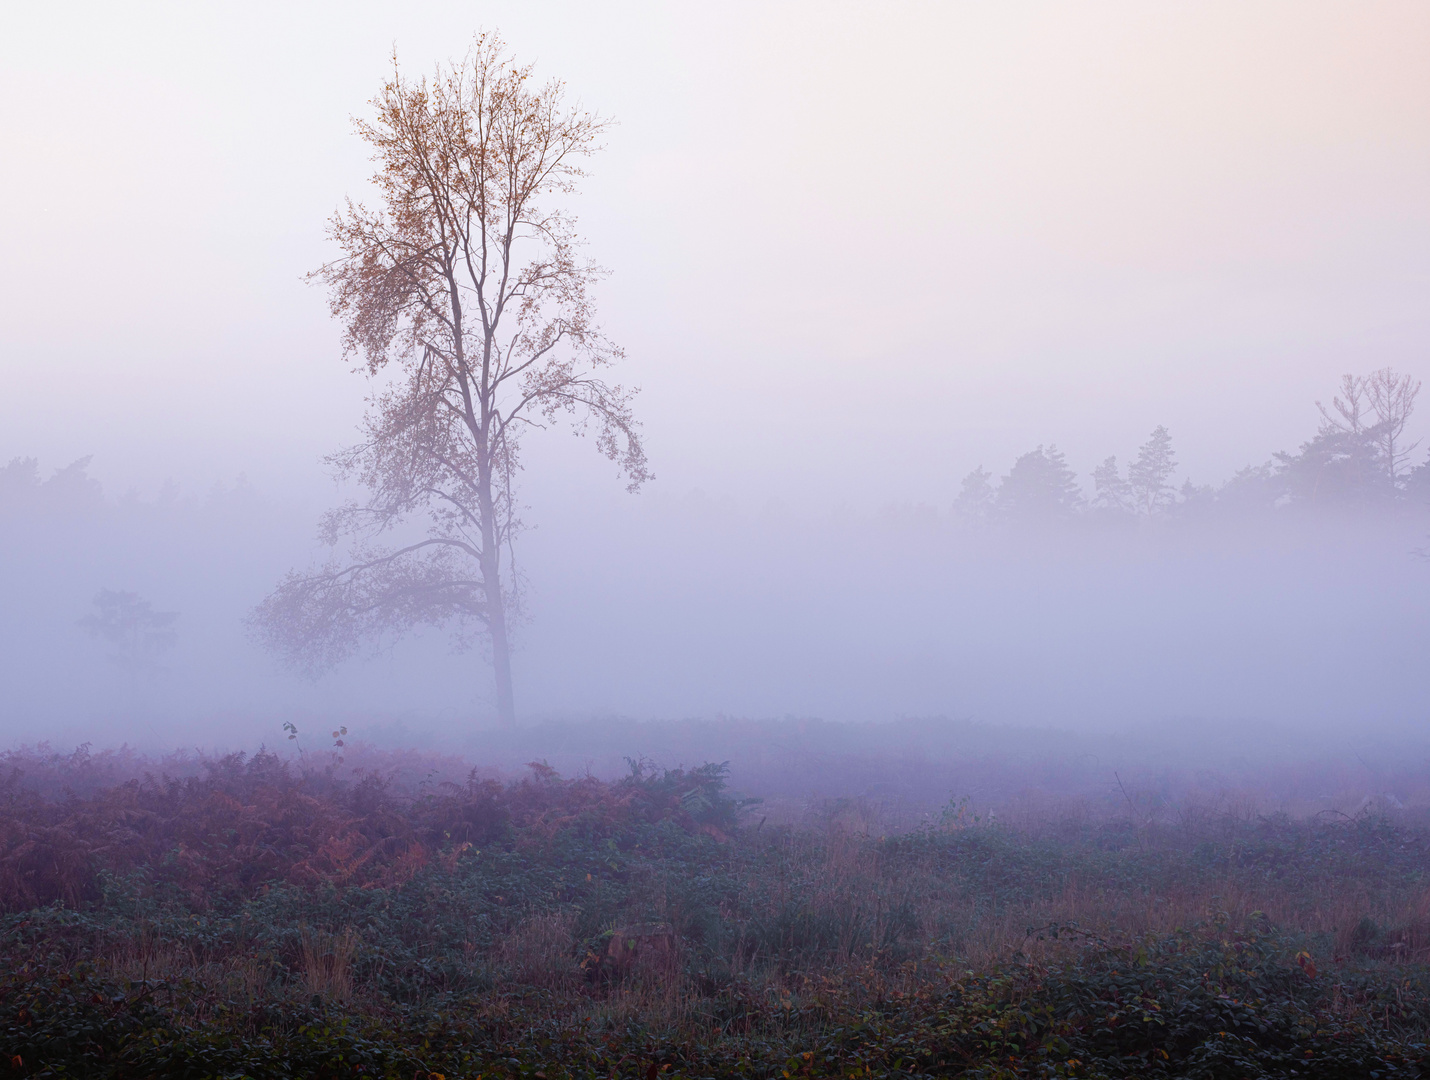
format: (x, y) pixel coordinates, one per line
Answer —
(244, 823)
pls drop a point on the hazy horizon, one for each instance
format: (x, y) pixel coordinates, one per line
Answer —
(855, 252)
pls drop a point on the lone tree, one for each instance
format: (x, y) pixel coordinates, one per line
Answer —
(466, 300)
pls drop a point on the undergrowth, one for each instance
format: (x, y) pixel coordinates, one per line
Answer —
(254, 919)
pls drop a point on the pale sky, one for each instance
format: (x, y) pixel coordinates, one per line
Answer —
(856, 249)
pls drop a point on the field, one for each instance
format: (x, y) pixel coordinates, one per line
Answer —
(259, 916)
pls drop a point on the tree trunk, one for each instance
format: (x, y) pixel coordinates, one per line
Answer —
(496, 608)
(502, 664)
(501, 646)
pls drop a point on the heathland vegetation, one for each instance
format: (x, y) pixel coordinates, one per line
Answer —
(255, 916)
(396, 916)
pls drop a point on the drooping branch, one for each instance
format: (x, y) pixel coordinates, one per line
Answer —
(315, 621)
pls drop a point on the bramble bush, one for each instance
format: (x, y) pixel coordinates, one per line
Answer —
(257, 919)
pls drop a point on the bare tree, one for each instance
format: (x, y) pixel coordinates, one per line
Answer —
(1348, 406)
(1372, 411)
(1392, 399)
(466, 299)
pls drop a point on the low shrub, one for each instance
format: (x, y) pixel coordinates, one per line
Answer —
(253, 919)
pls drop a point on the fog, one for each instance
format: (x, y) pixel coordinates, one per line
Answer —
(1309, 619)
(857, 252)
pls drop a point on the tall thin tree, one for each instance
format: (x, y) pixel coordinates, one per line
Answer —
(466, 299)
(1391, 397)
(1150, 476)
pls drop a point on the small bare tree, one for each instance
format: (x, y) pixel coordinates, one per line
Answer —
(1392, 399)
(466, 299)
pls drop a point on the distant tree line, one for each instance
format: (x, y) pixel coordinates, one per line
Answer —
(70, 489)
(1359, 461)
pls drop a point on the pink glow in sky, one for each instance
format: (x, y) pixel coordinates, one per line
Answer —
(851, 243)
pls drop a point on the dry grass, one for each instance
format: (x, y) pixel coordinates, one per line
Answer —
(328, 963)
(540, 951)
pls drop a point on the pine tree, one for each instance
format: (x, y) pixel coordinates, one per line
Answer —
(1150, 476)
(974, 505)
(1040, 484)
(1113, 492)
